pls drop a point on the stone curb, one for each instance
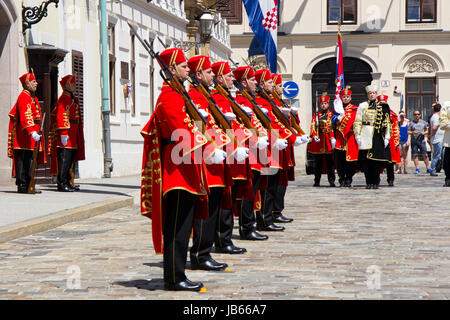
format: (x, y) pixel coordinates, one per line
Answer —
(53, 220)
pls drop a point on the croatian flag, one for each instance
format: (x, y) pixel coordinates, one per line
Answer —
(338, 106)
(263, 19)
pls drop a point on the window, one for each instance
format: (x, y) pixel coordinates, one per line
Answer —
(420, 94)
(420, 11)
(343, 11)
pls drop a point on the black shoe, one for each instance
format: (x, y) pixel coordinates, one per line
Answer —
(76, 187)
(231, 249)
(316, 184)
(254, 236)
(332, 185)
(22, 190)
(447, 183)
(65, 188)
(209, 265)
(374, 186)
(37, 191)
(391, 183)
(369, 186)
(185, 285)
(433, 174)
(282, 219)
(271, 227)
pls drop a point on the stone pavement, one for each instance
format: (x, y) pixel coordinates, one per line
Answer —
(391, 243)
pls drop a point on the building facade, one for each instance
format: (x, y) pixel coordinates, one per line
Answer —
(402, 45)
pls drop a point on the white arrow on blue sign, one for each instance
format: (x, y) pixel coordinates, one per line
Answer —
(290, 89)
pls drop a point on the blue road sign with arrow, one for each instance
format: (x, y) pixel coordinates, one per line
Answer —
(290, 89)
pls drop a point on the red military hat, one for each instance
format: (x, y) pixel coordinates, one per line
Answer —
(324, 97)
(27, 77)
(346, 91)
(199, 63)
(244, 72)
(263, 75)
(277, 78)
(69, 78)
(382, 98)
(220, 68)
(172, 56)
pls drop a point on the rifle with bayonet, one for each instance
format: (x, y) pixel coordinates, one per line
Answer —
(277, 112)
(293, 117)
(242, 115)
(175, 83)
(32, 185)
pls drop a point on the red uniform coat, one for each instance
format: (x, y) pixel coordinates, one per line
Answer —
(24, 118)
(162, 170)
(66, 120)
(395, 139)
(324, 132)
(345, 138)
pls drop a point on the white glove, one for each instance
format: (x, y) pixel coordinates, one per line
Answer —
(217, 157)
(386, 143)
(248, 110)
(295, 110)
(286, 111)
(358, 141)
(265, 110)
(204, 113)
(299, 141)
(340, 117)
(281, 144)
(305, 138)
(263, 142)
(333, 142)
(35, 136)
(316, 139)
(230, 116)
(64, 140)
(241, 154)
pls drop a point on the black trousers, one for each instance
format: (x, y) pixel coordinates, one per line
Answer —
(178, 222)
(390, 172)
(278, 204)
(225, 221)
(345, 169)
(268, 196)
(446, 163)
(246, 208)
(370, 167)
(65, 162)
(205, 230)
(24, 162)
(318, 161)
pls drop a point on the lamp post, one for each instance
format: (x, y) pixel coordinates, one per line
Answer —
(32, 15)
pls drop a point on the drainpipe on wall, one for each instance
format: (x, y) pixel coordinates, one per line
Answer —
(107, 159)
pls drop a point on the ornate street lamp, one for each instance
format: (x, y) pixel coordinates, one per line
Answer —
(206, 24)
(32, 15)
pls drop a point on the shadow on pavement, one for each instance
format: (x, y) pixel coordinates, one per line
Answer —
(153, 284)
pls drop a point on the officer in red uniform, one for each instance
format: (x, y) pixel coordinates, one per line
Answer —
(346, 151)
(239, 171)
(258, 158)
(280, 165)
(66, 141)
(25, 120)
(205, 230)
(174, 189)
(323, 142)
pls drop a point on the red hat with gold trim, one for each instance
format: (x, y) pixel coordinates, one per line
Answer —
(199, 63)
(69, 78)
(324, 97)
(346, 91)
(244, 72)
(263, 75)
(172, 56)
(27, 77)
(220, 68)
(382, 98)
(277, 78)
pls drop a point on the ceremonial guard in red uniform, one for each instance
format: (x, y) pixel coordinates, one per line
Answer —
(372, 128)
(206, 230)
(66, 140)
(174, 190)
(394, 143)
(280, 157)
(278, 204)
(239, 171)
(24, 125)
(259, 158)
(323, 142)
(346, 151)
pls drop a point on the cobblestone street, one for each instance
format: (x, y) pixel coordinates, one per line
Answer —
(390, 243)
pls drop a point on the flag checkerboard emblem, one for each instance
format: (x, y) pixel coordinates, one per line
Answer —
(270, 20)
